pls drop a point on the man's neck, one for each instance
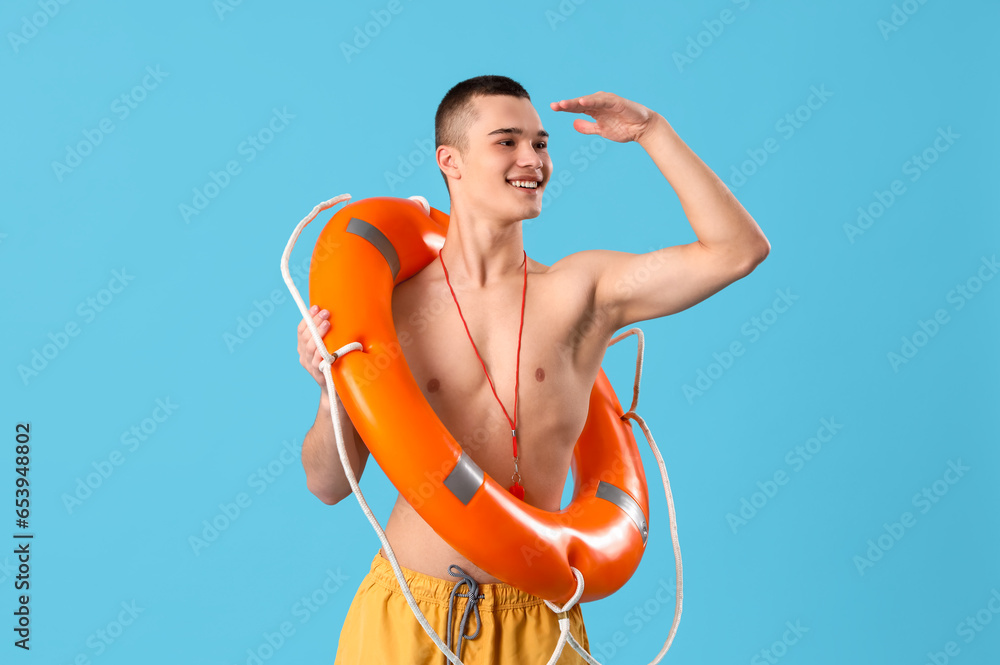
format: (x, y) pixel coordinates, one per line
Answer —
(480, 252)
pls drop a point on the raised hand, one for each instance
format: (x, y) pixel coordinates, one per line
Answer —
(616, 118)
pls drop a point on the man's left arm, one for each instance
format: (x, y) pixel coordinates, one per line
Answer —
(638, 287)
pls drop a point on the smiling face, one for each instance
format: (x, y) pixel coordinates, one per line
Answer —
(505, 144)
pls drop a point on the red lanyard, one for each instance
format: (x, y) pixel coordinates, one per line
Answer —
(516, 489)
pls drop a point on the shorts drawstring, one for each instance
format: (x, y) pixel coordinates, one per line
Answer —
(472, 604)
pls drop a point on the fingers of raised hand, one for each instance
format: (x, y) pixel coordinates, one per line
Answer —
(577, 105)
(585, 104)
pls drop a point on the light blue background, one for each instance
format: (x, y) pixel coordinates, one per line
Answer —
(354, 120)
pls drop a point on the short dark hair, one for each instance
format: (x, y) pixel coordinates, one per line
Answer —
(456, 113)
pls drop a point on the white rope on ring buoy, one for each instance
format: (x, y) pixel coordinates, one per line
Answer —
(565, 637)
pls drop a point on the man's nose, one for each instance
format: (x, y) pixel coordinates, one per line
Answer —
(529, 157)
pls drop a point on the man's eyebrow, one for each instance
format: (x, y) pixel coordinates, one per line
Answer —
(516, 130)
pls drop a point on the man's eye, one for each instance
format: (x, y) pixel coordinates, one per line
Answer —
(542, 144)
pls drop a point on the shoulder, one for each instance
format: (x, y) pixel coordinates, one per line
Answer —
(587, 274)
(573, 279)
(582, 268)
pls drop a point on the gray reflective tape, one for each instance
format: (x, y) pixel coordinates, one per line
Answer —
(621, 498)
(370, 233)
(464, 479)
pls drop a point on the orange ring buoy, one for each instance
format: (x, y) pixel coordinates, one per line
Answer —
(363, 252)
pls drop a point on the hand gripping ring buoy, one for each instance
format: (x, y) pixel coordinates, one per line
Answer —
(364, 251)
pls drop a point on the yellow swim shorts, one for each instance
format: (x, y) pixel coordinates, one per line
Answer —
(501, 624)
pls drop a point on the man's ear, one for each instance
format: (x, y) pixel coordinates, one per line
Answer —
(449, 160)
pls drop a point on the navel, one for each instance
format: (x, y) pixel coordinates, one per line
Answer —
(433, 385)
(539, 374)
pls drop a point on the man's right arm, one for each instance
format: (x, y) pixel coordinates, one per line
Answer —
(324, 472)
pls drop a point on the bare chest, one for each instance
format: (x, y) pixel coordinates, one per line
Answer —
(468, 372)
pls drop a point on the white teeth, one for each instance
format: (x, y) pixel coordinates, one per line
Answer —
(529, 184)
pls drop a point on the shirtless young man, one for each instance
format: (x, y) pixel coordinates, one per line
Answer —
(488, 134)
